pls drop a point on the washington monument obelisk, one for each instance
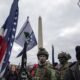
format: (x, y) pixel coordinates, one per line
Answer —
(40, 33)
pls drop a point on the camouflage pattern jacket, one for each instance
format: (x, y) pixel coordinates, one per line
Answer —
(44, 73)
(60, 71)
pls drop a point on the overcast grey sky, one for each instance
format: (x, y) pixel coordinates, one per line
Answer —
(61, 25)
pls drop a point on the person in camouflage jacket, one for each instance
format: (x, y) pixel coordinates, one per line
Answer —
(43, 71)
(63, 66)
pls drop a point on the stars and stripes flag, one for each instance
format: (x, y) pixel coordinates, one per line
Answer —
(21, 38)
(9, 29)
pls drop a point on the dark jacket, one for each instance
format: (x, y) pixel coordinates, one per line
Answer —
(11, 76)
(73, 72)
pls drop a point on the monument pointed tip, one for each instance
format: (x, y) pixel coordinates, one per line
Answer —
(39, 17)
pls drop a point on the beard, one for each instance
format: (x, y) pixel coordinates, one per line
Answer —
(42, 61)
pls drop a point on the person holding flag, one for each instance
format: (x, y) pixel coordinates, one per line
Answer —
(27, 40)
(24, 74)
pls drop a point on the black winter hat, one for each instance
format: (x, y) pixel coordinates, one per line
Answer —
(77, 49)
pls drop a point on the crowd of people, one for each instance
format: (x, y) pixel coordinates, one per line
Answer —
(65, 70)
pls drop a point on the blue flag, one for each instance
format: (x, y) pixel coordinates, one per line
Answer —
(21, 38)
(9, 27)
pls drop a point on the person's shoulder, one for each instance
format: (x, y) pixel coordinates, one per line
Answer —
(72, 66)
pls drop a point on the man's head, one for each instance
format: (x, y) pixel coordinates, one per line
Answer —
(42, 55)
(63, 57)
(77, 49)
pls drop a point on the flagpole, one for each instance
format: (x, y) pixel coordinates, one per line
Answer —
(53, 55)
(24, 57)
(24, 72)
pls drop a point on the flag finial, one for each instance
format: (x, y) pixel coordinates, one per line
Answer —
(27, 18)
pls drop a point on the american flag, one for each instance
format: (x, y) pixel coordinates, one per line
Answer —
(9, 27)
